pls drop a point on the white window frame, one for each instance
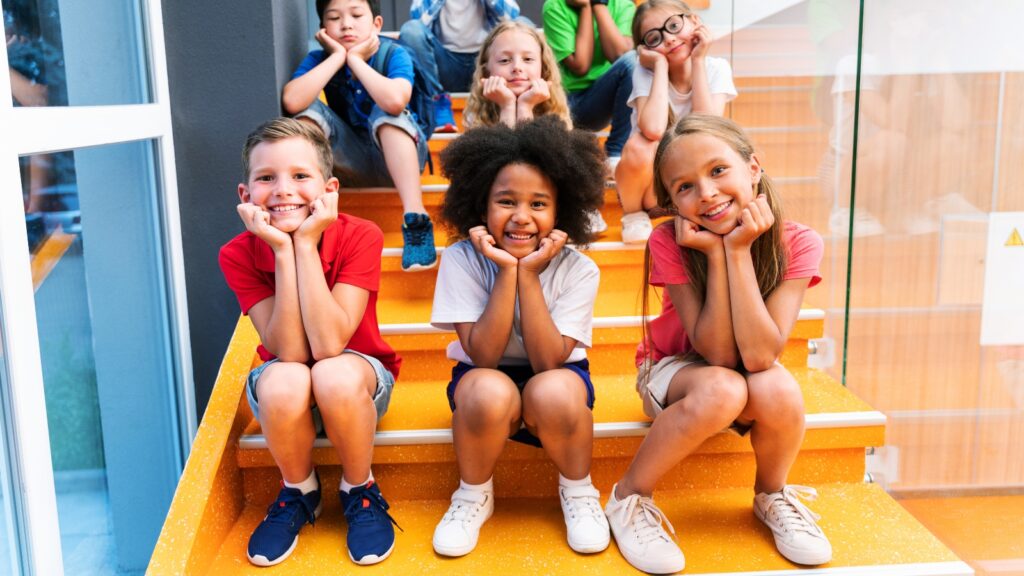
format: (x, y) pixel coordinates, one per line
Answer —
(42, 130)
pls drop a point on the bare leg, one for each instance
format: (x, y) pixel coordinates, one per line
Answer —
(344, 387)
(400, 156)
(487, 411)
(776, 407)
(635, 174)
(702, 401)
(555, 410)
(285, 399)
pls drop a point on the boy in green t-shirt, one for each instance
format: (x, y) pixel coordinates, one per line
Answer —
(592, 42)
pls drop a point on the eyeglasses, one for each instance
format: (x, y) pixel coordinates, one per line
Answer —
(653, 38)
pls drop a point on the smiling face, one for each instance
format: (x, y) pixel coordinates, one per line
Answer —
(284, 179)
(515, 56)
(350, 21)
(675, 46)
(708, 181)
(521, 208)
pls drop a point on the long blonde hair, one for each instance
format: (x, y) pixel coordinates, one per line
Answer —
(768, 251)
(482, 112)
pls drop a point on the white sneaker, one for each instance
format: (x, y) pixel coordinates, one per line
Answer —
(636, 227)
(797, 535)
(597, 223)
(636, 524)
(458, 530)
(585, 524)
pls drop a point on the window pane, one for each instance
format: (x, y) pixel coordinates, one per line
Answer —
(102, 312)
(9, 558)
(76, 53)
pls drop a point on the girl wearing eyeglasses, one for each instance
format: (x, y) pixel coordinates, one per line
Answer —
(675, 78)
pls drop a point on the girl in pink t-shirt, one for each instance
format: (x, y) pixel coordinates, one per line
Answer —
(734, 274)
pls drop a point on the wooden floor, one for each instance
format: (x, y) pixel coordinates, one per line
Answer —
(984, 531)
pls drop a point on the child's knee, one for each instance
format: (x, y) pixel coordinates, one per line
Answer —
(724, 393)
(638, 150)
(284, 390)
(555, 394)
(775, 394)
(342, 380)
(487, 401)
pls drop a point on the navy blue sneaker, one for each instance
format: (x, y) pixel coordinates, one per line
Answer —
(444, 120)
(371, 538)
(418, 234)
(276, 536)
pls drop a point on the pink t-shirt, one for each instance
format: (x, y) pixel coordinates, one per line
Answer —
(666, 335)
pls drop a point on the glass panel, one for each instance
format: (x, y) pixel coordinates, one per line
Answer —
(10, 560)
(938, 149)
(102, 312)
(76, 53)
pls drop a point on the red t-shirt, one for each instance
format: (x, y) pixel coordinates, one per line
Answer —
(804, 249)
(350, 252)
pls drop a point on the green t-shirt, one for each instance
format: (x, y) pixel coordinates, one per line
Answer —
(560, 21)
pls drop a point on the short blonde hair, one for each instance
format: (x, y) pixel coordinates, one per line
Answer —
(282, 128)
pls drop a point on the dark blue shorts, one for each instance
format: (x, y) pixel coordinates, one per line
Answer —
(520, 375)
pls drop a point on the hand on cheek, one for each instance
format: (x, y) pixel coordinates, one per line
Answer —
(548, 248)
(485, 244)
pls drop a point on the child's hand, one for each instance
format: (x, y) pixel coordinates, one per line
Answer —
(756, 219)
(365, 49)
(540, 91)
(650, 58)
(322, 212)
(496, 90)
(690, 235)
(257, 221)
(330, 45)
(549, 248)
(485, 244)
(701, 40)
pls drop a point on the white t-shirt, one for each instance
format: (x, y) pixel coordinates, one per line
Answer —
(463, 25)
(719, 81)
(465, 280)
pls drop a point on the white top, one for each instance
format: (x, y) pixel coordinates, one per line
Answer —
(465, 280)
(719, 81)
(463, 25)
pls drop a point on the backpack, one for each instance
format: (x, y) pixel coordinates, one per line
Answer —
(421, 103)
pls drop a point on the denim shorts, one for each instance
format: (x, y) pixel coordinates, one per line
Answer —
(358, 159)
(381, 397)
(520, 375)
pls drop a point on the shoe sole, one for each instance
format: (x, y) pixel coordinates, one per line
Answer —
(419, 267)
(372, 558)
(590, 548)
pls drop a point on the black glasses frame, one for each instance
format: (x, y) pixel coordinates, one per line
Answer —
(663, 30)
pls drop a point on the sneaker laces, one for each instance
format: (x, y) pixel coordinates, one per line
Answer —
(789, 513)
(465, 505)
(365, 507)
(288, 504)
(416, 234)
(645, 517)
(582, 501)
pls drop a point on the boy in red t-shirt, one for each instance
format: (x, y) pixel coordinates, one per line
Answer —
(307, 277)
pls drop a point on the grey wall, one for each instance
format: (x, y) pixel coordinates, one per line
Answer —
(226, 61)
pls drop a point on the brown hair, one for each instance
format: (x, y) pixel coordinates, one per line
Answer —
(768, 251)
(482, 112)
(282, 128)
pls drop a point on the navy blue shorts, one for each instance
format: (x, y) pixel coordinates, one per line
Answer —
(520, 375)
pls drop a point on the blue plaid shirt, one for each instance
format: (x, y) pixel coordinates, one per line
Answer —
(426, 11)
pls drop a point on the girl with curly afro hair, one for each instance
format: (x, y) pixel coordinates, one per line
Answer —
(522, 305)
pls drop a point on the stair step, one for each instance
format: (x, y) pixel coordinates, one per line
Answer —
(871, 534)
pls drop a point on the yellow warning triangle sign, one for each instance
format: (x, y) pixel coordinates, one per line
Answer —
(1014, 239)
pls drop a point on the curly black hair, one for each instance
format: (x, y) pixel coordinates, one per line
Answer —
(571, 159)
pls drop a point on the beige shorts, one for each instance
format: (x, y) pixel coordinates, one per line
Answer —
(652, 385)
